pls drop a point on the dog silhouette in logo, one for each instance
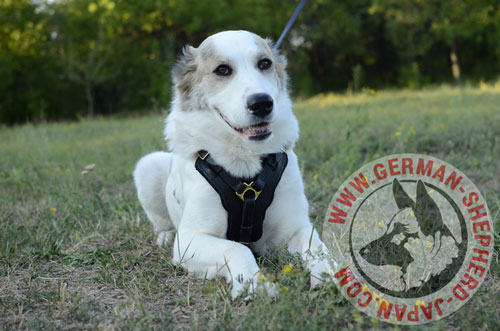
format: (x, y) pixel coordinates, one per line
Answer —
(415, 219)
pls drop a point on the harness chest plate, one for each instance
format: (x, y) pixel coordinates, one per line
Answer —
(245, 199)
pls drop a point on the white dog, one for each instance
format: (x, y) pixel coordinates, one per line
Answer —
(231, 100)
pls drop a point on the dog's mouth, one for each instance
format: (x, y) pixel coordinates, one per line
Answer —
(259, 131)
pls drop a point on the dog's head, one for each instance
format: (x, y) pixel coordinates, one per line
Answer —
(238, 76)
(231, 91)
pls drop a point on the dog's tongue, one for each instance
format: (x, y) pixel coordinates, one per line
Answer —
(256, 130)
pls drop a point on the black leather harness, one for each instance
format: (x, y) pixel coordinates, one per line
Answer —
(245, 199)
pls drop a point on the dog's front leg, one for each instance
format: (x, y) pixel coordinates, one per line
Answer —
(207, 256)
(307, 243)
(289, 224)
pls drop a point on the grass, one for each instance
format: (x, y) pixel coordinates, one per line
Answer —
(77, 252)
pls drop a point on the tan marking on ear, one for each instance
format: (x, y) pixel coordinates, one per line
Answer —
(184, 73)
(280, 62)
(208, 52)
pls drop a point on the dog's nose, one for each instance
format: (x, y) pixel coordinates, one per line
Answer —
(260, 104)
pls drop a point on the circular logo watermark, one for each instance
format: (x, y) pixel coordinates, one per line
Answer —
(412, 237)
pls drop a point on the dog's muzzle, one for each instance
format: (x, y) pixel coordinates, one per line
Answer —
(256, 132)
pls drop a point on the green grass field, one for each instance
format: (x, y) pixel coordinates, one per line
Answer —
(77, 251)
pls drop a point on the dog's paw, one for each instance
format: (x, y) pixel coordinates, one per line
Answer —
(321, 272)
(164, 238)
(256, 285)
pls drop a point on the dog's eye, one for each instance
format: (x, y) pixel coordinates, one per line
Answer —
(264, 64)
(223, 70)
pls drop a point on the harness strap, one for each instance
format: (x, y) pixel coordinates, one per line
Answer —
(245, 199)
(247, 219)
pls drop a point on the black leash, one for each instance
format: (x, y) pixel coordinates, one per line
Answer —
(290, 22)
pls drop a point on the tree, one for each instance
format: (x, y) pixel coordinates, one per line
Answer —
(24, 61)
(415, 25)
(85, 36)
(460, 20)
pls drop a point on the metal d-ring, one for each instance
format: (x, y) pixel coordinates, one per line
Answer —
(248, 187)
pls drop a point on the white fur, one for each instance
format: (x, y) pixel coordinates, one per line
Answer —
(181, 203)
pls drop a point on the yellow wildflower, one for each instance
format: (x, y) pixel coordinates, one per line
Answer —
(287, 268)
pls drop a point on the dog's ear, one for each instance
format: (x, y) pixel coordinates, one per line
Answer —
(280, 62)
(183, 73)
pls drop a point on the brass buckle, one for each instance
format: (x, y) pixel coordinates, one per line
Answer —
(248, 188)
(202, 157)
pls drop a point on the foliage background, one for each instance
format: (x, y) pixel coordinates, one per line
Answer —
(64, 59)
